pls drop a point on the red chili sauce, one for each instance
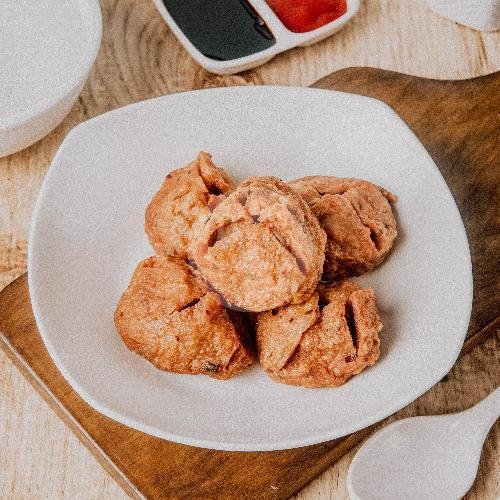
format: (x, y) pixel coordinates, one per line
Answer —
(300, 16)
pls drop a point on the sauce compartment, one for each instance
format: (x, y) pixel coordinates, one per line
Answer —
(221, 30)
(302, 16)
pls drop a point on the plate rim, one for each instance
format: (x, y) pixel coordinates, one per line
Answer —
(225, 445)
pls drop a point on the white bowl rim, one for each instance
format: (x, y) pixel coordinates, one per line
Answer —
(94, 34)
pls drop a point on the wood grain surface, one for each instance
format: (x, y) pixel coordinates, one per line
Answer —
(162, 469)
(140, 58)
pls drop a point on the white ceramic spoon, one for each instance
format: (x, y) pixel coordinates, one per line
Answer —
(423, 457)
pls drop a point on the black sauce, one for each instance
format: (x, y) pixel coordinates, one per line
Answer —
(221, 29)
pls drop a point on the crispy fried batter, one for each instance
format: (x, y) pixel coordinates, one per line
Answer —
(324, 341)
(358, 221)
(261, 247)
(168, 316)
(183, 203)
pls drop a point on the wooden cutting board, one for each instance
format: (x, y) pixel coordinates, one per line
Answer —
(458, 123)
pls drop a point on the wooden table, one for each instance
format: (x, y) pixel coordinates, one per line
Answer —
(140, 58)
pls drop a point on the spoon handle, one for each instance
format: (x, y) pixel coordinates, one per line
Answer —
(485, 413)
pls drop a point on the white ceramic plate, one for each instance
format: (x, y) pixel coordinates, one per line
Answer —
(87, 237)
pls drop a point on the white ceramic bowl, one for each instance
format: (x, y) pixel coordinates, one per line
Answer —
(87, 237)
(46, 51)
(285, 39)
(481, 15)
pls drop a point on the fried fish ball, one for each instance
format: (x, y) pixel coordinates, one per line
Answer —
(357, 218)
(323, 341)
(261, 247)
(168, 316)
(183, 203)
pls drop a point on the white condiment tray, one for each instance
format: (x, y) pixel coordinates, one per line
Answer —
(285, 39)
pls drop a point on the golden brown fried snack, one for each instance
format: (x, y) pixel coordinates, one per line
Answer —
(261, 247)
(168, 316)
(358, 221)
(324, 341)
(183, 203)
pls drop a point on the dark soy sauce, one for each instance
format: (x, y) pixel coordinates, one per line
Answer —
(221, 29)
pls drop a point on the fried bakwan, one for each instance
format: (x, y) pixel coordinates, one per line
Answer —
(169, 316)
(261, 247)
(323, 341)
(357, 218)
